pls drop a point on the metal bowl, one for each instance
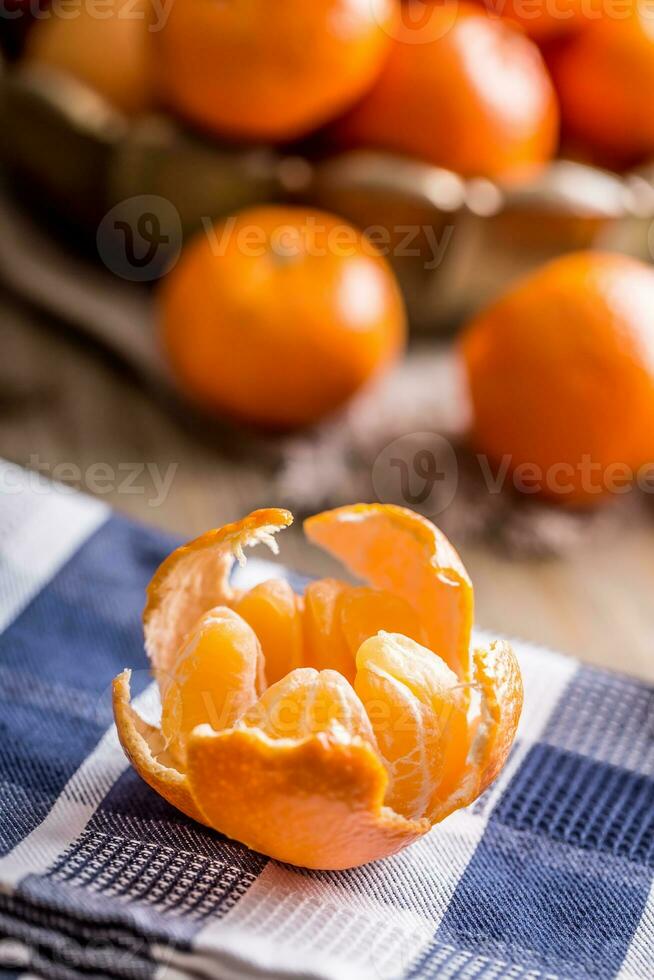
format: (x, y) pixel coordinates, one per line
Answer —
(454, 243)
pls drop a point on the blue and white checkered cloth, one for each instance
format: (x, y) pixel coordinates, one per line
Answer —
(550, 874)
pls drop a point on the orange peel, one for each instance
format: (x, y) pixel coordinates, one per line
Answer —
(368, 737)
(195, 578)
(396, 550)
(144, 747)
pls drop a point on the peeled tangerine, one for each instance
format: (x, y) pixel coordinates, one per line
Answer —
(329, 729)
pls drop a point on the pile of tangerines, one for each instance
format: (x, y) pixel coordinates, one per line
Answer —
(279, 327)
(476, 87)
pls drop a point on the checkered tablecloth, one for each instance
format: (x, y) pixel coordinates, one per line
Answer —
(550, 874)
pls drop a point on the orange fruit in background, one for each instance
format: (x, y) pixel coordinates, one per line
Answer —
(271, 71)
(110, 53)
(317, 769)
(460, 90)
(605, 80)
(279, 316)
(561, 375)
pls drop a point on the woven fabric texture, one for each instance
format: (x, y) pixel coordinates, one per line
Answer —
(550, 874)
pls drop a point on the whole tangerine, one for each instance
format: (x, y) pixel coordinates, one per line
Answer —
(274, 71)
(561, 376)
(279, 315)
(460, 90)
(605, 80)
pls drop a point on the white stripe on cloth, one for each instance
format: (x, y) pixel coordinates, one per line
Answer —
(74, 807)
(640, 955)
(371, 922)
(13, 954)
(238, 955)
(357, 922)
(42, 524)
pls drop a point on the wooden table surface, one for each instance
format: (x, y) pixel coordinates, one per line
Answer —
(62, 402)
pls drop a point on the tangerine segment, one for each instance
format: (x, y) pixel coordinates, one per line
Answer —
(418, 713)
(363, 612)
(499, 681)
(401, 552)
(143, 746)
(195, 578)
(307, 702)
(219, 673)
(316, 803)
(325, 646)
(273, 611)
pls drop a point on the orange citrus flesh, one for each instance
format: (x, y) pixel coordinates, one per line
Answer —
(306, 702)
(366, 735)
(499, 682)
(365, 611)
(218, 675)
(401, 552)
(195, 578)
(417, 709)
(272, 609)
(325, 644)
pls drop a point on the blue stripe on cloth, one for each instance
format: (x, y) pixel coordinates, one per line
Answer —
(141, 871)
(562, 874)
(608, 717)
(446, 962)
(529, 901)
(140, 848)
(57, 660)
(67, 947)
(588, 804)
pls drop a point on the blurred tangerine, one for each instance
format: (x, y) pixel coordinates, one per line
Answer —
(561, 375)
(605, 80)
(462, 91)
(280, 315)
(111, 54)
(273, 71)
